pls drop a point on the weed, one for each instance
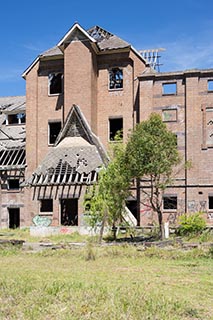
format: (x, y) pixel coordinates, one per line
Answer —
(89, 251)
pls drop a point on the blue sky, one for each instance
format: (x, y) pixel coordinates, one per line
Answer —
(184, 28)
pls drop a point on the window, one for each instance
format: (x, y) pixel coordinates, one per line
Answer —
(169, 88)
(115, 78)
(170, 202)
(115, 127)
(211, 202)
(210, 85)
(13, 184)
(54, 129)
(46, 205)
(18, 118)
(169, 115)
(55, 83)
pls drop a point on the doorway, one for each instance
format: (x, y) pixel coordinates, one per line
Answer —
(14, 218)
(69, 212)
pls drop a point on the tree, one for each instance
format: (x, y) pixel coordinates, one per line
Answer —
(151, 155)
(106, 201)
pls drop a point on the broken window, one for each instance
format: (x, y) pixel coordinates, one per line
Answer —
(55, 83)
(54, 129)
(13, 184)
(115, 78)
(18, 118)
(210, 85)
(169, 115)
(170, 202)
(211, 202)
(115, 128)
(46, 205)
(169, 88)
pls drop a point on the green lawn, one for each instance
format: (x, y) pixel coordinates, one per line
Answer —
(108, 283)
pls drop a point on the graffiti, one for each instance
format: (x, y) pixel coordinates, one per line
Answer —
(210, 216)
(181, 206)
(173, 217)
(147, 211)
(192, 206)
(41, 221)
(66, 230)
(202, 207)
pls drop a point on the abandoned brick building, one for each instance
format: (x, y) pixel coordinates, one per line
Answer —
(78, 94)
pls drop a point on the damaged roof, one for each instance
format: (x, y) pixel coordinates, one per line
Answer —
(73, 161)
(100, 38)
(75, 158)
(12, 137)
(12, 104)
(106, 40)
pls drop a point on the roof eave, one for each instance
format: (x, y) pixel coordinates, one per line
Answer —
(139, 55)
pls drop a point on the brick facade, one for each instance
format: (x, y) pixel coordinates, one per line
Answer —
(85, 81)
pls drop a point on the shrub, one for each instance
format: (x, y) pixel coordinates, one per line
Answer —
(193, 223)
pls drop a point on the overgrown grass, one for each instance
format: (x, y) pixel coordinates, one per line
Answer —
(24, 234)
(111, 283)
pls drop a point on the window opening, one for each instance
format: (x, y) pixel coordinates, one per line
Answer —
(169, 88)
(55, 83)
(18, 118)
(13, 184)
(54, 129)
(210, 202)
(69, 212)
(115, 78)
(46, 205)
(115, 128)
(210, 85)
(170, 202)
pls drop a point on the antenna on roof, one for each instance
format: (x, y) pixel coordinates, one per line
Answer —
(152, 57)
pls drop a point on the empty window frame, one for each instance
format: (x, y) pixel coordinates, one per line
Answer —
(169, 88)
(210, 85)
(13, 184)
(46, 205)
(210, 202)
(115, 128)
(55, 83)
(18, 118)
(169, 115)
(54, 129)
(115, 78)
(170, 202)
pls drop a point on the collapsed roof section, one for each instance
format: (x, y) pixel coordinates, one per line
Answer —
(12, 138)
(100, 39)
(74, 160)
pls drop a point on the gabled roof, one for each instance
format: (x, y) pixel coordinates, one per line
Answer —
(75, 159)
(71, 32)
(101, 39)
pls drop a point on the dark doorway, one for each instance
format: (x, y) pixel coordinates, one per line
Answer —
(14, 218)
(132, 206)
(69, 212)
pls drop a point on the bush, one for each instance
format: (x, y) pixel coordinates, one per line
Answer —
(193, 223)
